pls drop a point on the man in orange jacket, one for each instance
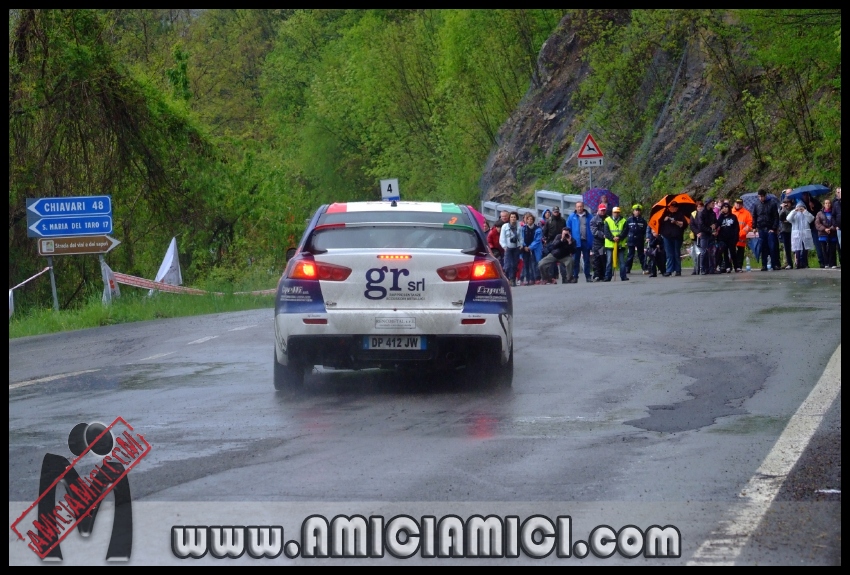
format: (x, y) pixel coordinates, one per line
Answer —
(745, 225)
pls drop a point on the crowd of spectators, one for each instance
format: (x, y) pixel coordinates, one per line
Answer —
(534, 252)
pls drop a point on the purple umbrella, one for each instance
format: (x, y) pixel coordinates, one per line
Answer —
(593, 196)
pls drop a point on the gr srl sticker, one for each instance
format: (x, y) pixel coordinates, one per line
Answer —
(297, 296)
(393, 284)
(489, 296)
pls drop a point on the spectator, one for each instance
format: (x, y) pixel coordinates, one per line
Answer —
(579, 224)
(745, 226)
(814, 207)
(615, 239)
(636, 232)
(561, 251)
(531, 249)
(551, 230)
(656, 258)
(603, 199)
(727, 235)
(672, 230)
(505, 216)
(836, 208)
(485, 228)
(766, 221)
(801, 238)
(785, 231)
(509, 240)
(828, 238)
(703, 225)
(597, 228)
(493, 241)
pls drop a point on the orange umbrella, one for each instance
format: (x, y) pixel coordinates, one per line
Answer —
(684, 201)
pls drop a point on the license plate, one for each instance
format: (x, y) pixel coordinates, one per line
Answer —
(405, 342)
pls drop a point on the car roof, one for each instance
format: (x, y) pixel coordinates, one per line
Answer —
(385, 206)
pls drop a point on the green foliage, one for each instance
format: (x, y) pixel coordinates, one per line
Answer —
(228, 128)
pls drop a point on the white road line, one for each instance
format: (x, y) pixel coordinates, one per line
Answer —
(157, 355)
(828, 491)
(243, 327)
(51, 378)
(202, 340)
(726, 543)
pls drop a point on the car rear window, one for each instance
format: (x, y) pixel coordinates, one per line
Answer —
(400, 237)
(450, 218)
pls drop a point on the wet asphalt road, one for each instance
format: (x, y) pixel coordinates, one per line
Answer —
(652, 401)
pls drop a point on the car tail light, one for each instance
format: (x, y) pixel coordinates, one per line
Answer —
(315, 321)
(473, 271)
(472, 321)
(313, 270)
(393, 257)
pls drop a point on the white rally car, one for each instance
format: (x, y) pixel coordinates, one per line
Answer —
(393, 285)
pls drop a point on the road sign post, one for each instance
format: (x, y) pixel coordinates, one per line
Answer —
(53, 284)
(70, 226)
(71, 216)
(589, 156)
(69, 246)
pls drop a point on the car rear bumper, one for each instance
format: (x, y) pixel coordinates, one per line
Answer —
(339, 342)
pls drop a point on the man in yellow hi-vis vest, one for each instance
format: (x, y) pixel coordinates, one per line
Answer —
(615, 239)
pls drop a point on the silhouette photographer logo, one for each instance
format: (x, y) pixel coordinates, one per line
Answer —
(117, 449)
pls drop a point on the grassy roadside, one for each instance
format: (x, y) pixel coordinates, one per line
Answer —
(132, 306)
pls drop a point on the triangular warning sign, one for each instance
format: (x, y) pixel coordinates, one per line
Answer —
(590, 149)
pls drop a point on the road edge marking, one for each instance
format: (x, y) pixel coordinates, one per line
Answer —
(50, 378)
(726, 543)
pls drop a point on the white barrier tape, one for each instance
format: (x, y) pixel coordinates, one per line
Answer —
(32, 278)
(143, 283)
(148, 284)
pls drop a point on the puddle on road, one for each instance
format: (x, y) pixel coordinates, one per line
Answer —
(751, 424)
(721, 387)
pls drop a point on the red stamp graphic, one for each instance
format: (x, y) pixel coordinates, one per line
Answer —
(49, 520)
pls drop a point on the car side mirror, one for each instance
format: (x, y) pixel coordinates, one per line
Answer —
(290, 253)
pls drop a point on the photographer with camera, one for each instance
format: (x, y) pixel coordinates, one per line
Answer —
(561, 250)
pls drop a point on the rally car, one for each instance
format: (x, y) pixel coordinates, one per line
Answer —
(393, 285)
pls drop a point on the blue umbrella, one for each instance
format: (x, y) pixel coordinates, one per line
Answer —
(813, 190)
(751, 199)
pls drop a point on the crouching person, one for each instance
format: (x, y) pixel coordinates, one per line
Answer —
(561, 250)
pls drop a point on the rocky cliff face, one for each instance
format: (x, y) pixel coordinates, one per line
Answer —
(546, 123)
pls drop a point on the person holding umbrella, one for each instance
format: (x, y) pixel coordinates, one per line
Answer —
(597, 228)
(814, 207)
(672, 230)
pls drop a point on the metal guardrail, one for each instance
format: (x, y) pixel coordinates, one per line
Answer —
(543, 200)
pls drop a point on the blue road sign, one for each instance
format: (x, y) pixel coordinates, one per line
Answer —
(71, 226)
(76, 206)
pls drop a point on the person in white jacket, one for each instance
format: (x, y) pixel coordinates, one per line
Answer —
(509, 240)
(801, 235)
